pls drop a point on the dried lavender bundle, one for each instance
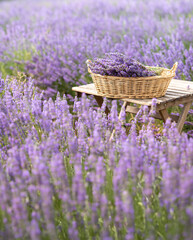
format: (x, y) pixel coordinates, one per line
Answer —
(117, 64)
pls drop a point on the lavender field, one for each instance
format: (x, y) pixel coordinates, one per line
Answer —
(60, 176)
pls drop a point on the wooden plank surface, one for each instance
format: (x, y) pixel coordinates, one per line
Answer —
(175, 102)
(178, 90)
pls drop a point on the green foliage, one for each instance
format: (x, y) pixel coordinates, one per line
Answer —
(16, 62)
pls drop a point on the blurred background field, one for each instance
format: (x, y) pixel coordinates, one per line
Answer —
(51, 40)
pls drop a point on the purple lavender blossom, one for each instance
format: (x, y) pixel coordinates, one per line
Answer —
(60, 176)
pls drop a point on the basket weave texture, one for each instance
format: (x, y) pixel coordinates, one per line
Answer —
(139, 87)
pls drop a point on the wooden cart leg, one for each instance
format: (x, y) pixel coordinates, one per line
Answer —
(183, 116)
(123, 108)
(164, 114)
(78, 94)
(100, 103)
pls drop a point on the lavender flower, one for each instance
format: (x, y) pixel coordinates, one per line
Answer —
(60, 176)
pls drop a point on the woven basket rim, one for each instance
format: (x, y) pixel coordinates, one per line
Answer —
(167, 73)
(133, 78)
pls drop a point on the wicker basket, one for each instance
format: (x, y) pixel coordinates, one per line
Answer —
(139, 87)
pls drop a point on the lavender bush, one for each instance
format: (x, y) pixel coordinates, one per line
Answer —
(61, 177)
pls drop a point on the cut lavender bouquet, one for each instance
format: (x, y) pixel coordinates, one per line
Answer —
(118, 64)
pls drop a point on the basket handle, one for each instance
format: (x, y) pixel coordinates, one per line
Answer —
(87, 63)
(173, 69)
